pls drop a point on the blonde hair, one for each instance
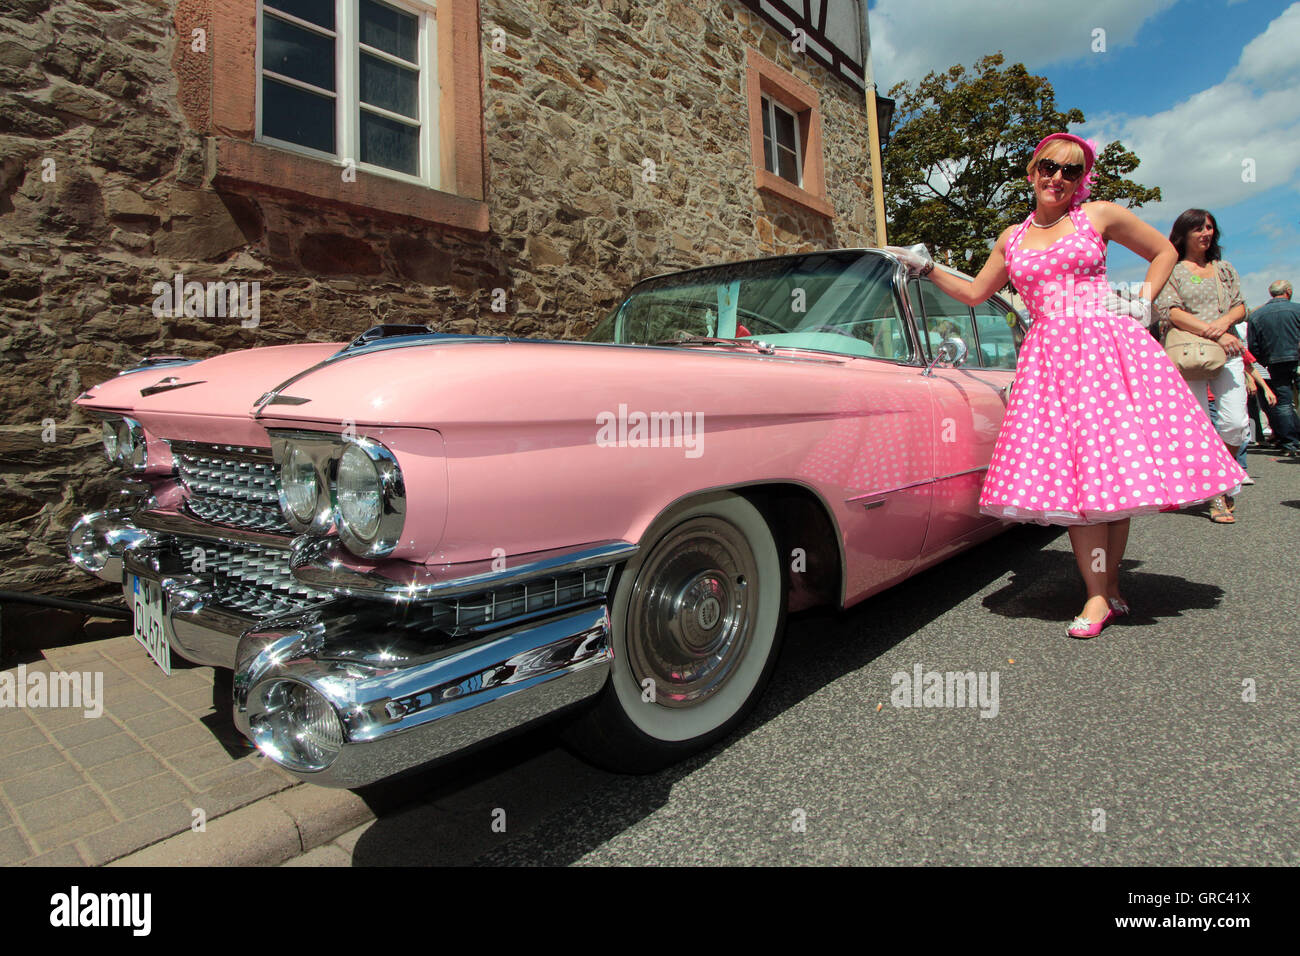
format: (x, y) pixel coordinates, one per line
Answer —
(1074, 150)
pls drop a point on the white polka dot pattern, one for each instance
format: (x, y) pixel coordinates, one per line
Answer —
(1100, 426)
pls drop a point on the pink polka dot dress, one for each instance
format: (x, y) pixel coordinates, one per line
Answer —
(1100, 426)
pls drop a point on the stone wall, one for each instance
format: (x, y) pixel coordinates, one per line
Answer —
(102, 194)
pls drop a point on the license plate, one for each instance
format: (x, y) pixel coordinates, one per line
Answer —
(148, 610)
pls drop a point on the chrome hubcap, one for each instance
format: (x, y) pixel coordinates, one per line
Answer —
(691, 615)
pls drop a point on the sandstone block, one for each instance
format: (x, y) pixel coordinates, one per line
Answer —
(337, 254)
(200, 227)
(418, 260)
(123, 204)
(77, 100)
(541, 252)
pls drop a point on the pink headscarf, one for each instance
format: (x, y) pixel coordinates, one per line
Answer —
(1082, 191)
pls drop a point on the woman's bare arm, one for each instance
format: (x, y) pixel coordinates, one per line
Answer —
(991, 278)
(1117, 224)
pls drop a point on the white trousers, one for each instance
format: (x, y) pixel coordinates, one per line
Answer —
(1229, 385)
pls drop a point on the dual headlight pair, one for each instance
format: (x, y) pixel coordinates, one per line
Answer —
(124, 443)
(354, 484)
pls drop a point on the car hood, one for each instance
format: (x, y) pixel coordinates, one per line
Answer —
(499, 382)
(232, 398)
(211, 400)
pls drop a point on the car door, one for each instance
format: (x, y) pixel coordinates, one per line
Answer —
(876, 451)
(969, 403)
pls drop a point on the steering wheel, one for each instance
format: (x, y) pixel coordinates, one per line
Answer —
(750, 319)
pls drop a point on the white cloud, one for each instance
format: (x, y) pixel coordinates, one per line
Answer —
(1224, 145)
(1272, 58)
(1230, 142)
(1194, 150)
(1254, 285)
(1272, 227)
(910, 38)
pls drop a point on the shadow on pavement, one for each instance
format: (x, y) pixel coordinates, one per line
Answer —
(566, 808)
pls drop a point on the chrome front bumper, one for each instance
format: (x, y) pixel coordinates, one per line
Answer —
(401, 704)
(197, 629)
(98, 540)
(403, 691)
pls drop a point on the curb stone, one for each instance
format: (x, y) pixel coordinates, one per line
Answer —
(265, 833)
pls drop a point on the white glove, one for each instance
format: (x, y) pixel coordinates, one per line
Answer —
(1139, 307)
(916, 258)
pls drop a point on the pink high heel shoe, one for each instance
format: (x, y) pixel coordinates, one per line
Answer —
(1083, 628)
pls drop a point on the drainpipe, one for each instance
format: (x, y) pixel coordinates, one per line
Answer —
(873, 126)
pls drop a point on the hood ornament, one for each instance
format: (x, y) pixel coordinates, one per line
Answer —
(170, 383)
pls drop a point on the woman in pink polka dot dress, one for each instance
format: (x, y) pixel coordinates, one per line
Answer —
(1100, 426)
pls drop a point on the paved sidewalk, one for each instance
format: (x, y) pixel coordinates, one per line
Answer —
(77, 789)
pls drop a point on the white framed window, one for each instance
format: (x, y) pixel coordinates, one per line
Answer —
(353, 81)
(781, 147)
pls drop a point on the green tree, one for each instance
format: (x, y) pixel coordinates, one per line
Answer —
(954, 172)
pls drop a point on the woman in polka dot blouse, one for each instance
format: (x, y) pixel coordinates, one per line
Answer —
(1100, 426)
(1203, 296)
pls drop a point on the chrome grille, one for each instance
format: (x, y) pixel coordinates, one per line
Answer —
(231, 485)
(485, 610)
(249, 579)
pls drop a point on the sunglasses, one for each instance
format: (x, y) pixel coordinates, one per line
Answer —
(1047, 169)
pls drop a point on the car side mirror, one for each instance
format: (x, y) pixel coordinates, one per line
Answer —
(951, 352)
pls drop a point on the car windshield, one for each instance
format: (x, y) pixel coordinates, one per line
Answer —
(839, 302)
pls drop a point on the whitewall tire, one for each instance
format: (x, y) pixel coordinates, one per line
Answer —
(697, 618)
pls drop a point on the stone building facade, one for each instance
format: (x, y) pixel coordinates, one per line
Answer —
(581, 145)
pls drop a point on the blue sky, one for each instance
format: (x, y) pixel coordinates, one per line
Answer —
(1196, 88)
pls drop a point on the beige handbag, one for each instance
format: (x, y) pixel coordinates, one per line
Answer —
(1195, 356)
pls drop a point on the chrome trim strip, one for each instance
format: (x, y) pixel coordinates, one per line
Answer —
(423, 706)
(915, 484)
(158, 361)
(173, 522)
(889, 491)
(316, 562)
(958, 474)
(302, 435)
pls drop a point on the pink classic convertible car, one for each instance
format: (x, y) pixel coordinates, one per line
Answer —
(414, 542)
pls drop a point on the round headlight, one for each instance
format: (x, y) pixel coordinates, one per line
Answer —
(295, 725)
(299, 483)
(125, 443)
(139, 450)
(371, 499)
(87, 546)
(360, 501)
(110, 441)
